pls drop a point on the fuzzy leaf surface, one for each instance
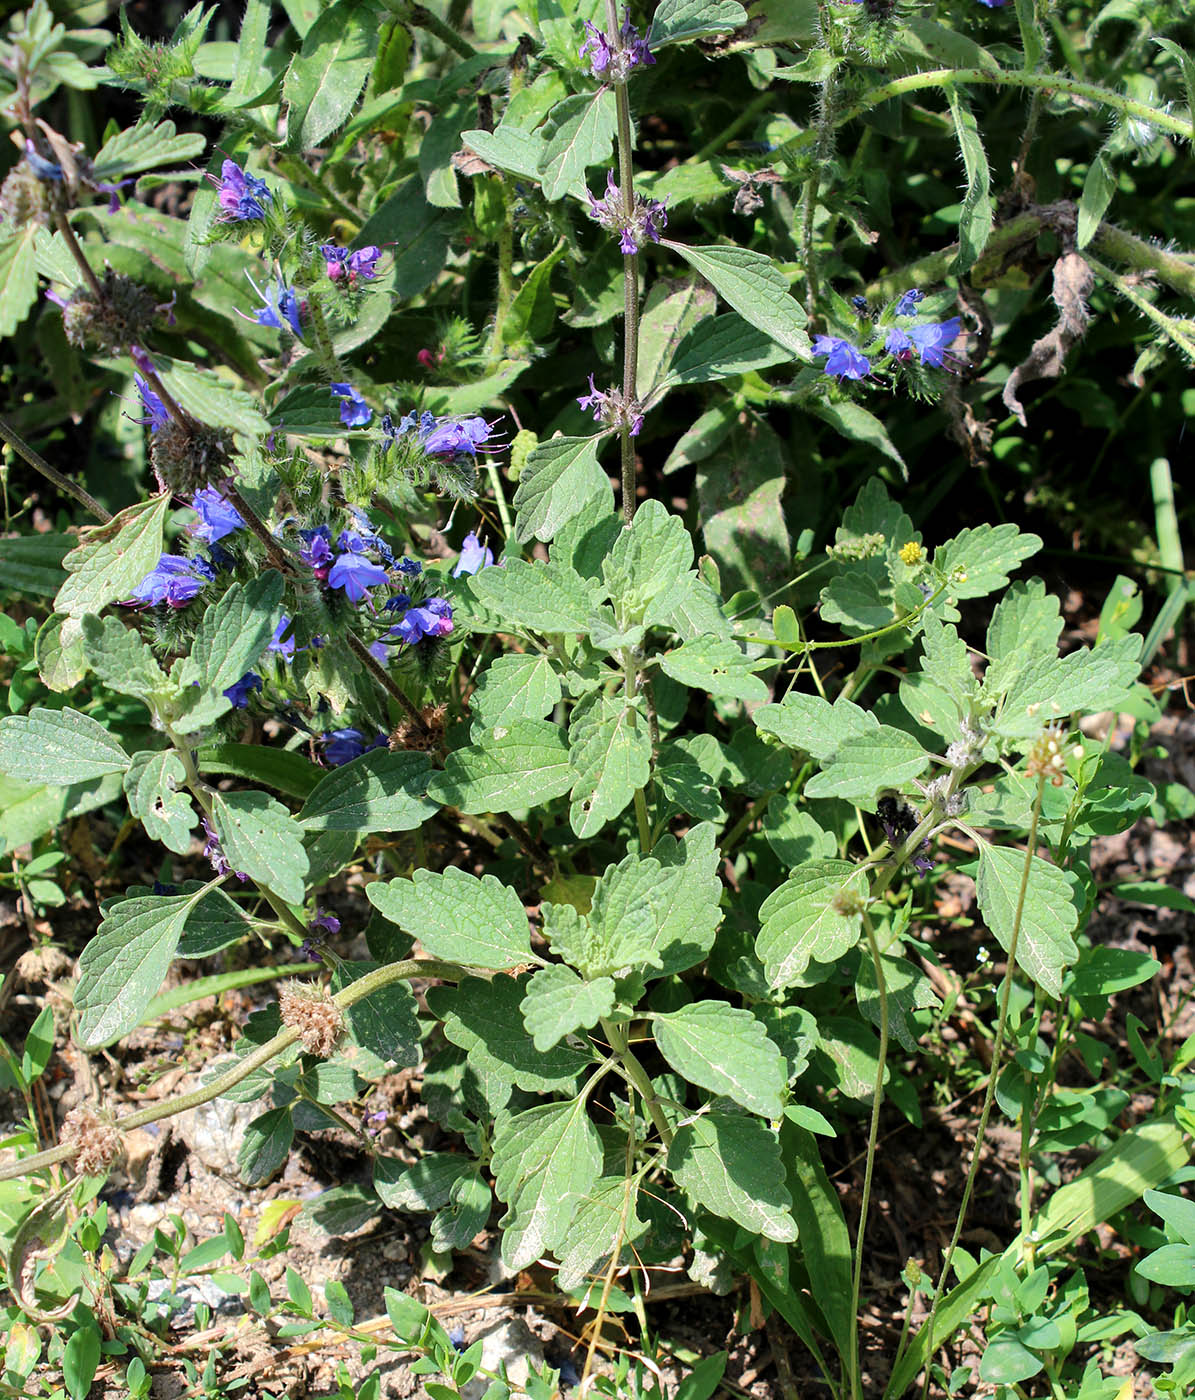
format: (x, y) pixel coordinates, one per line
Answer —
(58, 747)
(726, 1050)
(1045, 946)
(755, 287)
(799, 923)
(379, 791)
(521, 765)
(559, 1002)
(610, 756)
(458, 916)
(865, 763)
(559, 477)
(730, 1164)
(261, 838)
(113, 559)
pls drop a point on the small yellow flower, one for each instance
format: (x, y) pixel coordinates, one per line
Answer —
(912, 554)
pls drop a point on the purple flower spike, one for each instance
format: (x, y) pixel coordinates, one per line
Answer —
(641, 225)
(155, 415)
(354, 412)
(432, 618)
(474, 556)
(242, 196)
(843, 360)
(216, 517)
(356, 575)
(240, 691)
(317, 550)
(174, 581)
(612, 60)
(933, 341)
(612, 408)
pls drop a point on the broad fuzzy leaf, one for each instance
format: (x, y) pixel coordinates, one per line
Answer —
(511, 767)
(755, 287)
(559, 1002)
(730, 1164)
(262, 839)
(325, 77)
(718, 666)
(610, 756)
(485, 1019)
(678, 21)
(458, 916)
(799, 923)
(545, 1163)
(578, 134)
(866, 763)
(386, 1022)
(558, 478)
(58, 747)
(154, 785)
(726, 1050)
(512, 688)
(811, 724)
(121, 659)
(113, 559)
(380, 791)
(1045, 946)
(231, 637)
(606, 1220)
(124, 965)
(536, 596)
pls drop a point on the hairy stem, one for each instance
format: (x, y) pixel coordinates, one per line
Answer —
(506, 280)
(990, 1091)
(424, 19)
(877, 1101)
(619, 1042)
(323, 339)
(167, 1108)
(18, 444)
(384, 679)
(63, 225)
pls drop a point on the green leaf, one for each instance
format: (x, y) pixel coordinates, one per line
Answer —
(311, 410)
(536, 596)
(610, 756)
(719, 348)
(512, 767)
(1045, 946)
(1176, 1211)
(578, 133)
(978, 212)
(386, 1022)
(606, 1220)
(730, 1164)
(425, 1185)
(678, 21)
(266, 1146)
(262, 839)
(1186, 63)
(33, 563)
(718, 666)
(380, 791)
(978, 561)
(726, 1050)
(416, 230)
(485, 1019)
(113, 559)
(153, 784)
(80, 1360)
(754, 286)
(121, 659)
(458, 916)
(1049, 688)
(30, 810)
(59, 747)
(126, 963)
(465, 1215)
(858, 424)
(559, 477)
(233, 634)
(144, 146)
(740, 486)
(328, 73)
(512, 688)
(545, 1163)
(1098, 188)
(866, 763)
(646, 559)
(18, 278)
(671, 311)
(1006, 1361)
(558, 1003)
(286, 770)
(508, 148)
(799, 922)
(810, 724)
(208, 397)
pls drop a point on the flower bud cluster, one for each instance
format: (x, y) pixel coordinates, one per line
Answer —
(1047, 757)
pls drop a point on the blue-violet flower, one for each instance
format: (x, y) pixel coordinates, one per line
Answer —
(474, 556)
(175, 580)
(242, 196)
(240, 691)
(155, 415)
(285, 649)
(343, 745)
(613, 408)
(843, 360)
(907, 305)
(611, 59)
(341, 265)
(354, 411)
(216, 517)
(356, 575)
(933, 340)
(431, 618)
(282, 307)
